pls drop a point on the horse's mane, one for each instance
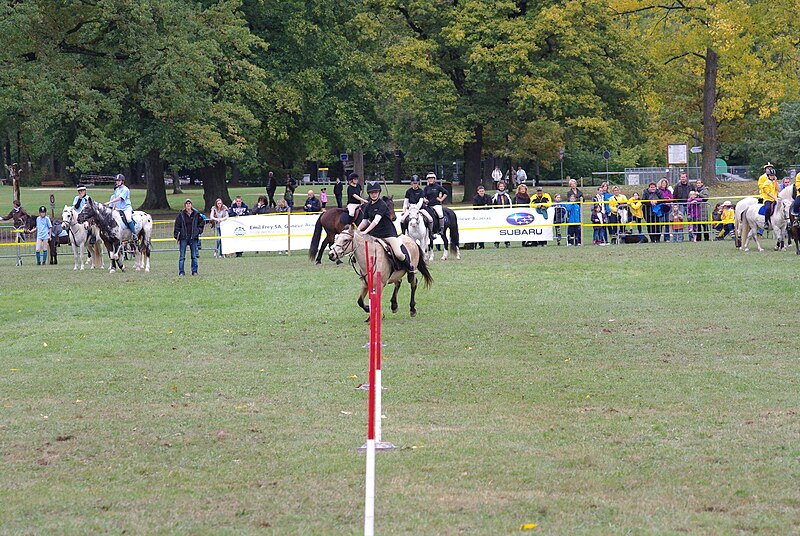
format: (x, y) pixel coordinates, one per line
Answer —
(104, 216)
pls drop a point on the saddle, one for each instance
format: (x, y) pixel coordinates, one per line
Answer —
(435, 217)
(345, 219)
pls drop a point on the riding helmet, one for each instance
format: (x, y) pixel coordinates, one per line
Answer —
(352, 176)
(769, 169)
(430, 175)
(373, 186)
(120, 177)
(42, 209)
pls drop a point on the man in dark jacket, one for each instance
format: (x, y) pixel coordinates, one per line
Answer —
(272, 185)
(312, 203)
(680, 193)
(337, 192)
(188, 228)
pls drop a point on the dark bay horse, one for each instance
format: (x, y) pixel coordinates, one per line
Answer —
(450, 227)
(334, 221)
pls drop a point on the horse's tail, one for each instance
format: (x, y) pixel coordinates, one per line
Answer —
(423, 268)
(312, 249)
(453, 225)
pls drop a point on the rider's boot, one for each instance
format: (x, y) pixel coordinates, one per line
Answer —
(132, 227)
(441, 226)
(406, 264)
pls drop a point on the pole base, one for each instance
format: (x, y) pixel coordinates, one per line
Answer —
(379, 445)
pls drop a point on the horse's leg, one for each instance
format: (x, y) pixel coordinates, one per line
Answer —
(445, 244)
(361, 295)
(394, 296)
(413, 303)
(744, 233)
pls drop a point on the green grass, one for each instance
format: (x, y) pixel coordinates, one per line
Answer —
(597, 390)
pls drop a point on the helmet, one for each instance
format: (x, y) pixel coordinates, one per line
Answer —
(430, 175)
(414, 178)
(352, 176)
(120, 177)
(373, 186)
(42, 209)
(769, 169)
(81, 187)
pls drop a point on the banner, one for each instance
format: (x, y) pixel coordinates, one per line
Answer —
(505, 225)
(269, 232)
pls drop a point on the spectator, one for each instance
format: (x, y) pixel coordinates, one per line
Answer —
(680, 193)
(665, 208)
(635, 202)
(573, 190)
(481, 201)
(262, 206)
(337, 192)
(188, 228)
(288, 192)
(726, 220)
(703, 194)
(272, 185)
(522, 198)
(497, 175)
(677, 218)
(521, 176)
(501, 199)
(716, 218)
(540, 203)
(599, 238)
(652, 199)
(323, 198)
(614, 203)
(44, 228)
(787, 181)
(17, 214)
(559, 217)
(694, 214)
(574, 220)
(237, 210)
(600, 199)
(312, 203)
(219, 213)
(282, 206)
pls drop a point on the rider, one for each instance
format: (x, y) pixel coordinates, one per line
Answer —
(768, 191)
(121, 200)
(434, 195)
(414, 196)
(377, 222)
(354, 198)
(80, 199)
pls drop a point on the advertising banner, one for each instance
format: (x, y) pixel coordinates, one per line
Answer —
(505, 225)
(267, 233)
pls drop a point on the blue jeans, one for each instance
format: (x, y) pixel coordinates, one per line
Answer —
(193, 246)
(218, 247)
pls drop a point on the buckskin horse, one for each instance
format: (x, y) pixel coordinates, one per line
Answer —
(334, 221)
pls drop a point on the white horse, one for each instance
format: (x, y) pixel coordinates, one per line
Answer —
(739, 211)
(418, 231)
(751, 221)
(79, 238)
(115, 233)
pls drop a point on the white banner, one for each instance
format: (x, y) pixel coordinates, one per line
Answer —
(268, 232)
(505, 225)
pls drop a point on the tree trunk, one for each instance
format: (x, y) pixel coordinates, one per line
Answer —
(472, 164)
(709, 169)
(8, 151)
(156, 198)
(397, 175)
(214, 185)
(235, 176)
(176, 183)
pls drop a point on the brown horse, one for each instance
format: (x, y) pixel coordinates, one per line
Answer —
(334, 221)
(350, 241)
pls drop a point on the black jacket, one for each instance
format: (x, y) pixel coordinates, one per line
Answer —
(189, 226)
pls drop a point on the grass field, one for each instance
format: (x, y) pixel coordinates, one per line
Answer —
(648, 389)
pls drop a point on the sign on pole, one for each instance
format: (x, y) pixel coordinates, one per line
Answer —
(344, 157)
(677, 154)
(697, 149)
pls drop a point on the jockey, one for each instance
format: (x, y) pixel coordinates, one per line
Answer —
(80, 199)
(377, 222)
(354, 198)
(121, 200)
(434, 196)
(414, 196)
(768, 191)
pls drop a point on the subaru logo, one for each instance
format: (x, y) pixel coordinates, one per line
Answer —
(520, 218)
(239, 231)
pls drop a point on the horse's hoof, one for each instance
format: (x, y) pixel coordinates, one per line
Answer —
(137, 269)
(111, 271)
(394, 309)
(413, 313)
(76, 269)
(147, 270)
(458, 257)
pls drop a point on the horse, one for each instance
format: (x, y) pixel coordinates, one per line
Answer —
(59, 236)
(115, 233)
(332, 221)
(417, 228)
(794, 231)
(351, 241)
(739, 211)
(80, 237)
(451, 226)
(752, 220)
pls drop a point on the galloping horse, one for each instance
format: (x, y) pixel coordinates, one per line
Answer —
(751, 220)
(451, 225)
(417, 229)
(351, 241)
(79, 237)
(115, 233)
(332, 222)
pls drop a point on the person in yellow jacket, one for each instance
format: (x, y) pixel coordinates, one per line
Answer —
(616, 201)
(637, 213)
(541, 202)
(768, 191)
(726, 220)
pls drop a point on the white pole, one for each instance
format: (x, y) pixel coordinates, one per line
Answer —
(369, 499)
(378, 388)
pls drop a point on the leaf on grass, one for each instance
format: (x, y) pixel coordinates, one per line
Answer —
(78, 401)
(469, 347)
(353, 377)
(173, 387)
(44, 344)
(346, 412)
(13, 370)
(243, 406)
(169, 332)
(528, 526)
(44, 416)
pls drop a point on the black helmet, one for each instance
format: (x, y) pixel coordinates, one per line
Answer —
(373, 186)
(352, 176)
(42, 209)
(120, 177)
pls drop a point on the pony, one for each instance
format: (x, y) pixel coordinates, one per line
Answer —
(352, 241)
(80, 237)
(451, 226)
(57, 239)
(332, 221)
(751, 220)
(416, 227)
(115, 233)
(739, 211)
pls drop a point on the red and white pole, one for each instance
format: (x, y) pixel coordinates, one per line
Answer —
(373, 290)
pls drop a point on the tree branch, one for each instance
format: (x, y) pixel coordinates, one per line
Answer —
(411, 24)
